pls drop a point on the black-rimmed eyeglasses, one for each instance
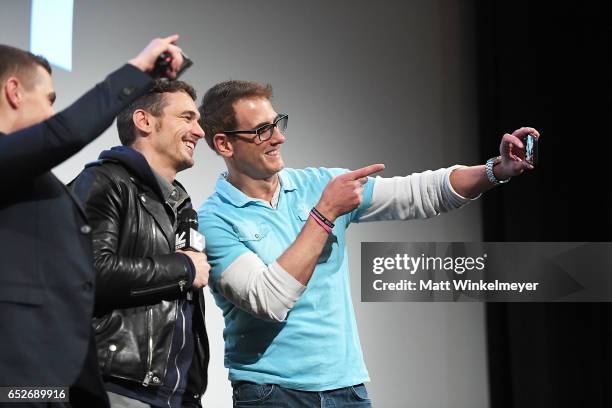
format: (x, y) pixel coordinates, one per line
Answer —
(264, 132)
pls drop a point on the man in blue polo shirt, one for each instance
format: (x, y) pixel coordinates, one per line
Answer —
(277, 249)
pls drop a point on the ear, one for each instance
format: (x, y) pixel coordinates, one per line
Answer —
(223, 145)
(143, 121)
(13, 92)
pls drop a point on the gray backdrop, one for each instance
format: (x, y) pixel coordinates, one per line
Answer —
(363, 82)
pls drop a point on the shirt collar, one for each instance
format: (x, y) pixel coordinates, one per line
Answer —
(166, 187)
(173, 192)
(238, 198)
(286, 182)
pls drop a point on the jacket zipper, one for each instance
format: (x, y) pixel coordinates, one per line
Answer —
(138, 292)
(178, 371)
(150, 373)
(156, 289)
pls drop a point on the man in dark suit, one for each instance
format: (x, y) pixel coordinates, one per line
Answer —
(46, 263)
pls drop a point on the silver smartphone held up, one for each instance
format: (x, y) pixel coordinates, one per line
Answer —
(531, 149)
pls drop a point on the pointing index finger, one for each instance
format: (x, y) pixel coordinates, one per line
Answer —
(365, 171)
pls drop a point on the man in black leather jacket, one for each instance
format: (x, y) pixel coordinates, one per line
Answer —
(149, 312)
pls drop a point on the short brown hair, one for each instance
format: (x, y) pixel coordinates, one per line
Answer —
(152, 102)
(217, 108)
(21, 64)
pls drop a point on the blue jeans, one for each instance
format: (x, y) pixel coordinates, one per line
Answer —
(252, 395)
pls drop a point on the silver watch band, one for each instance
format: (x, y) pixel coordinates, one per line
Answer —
(489, 171)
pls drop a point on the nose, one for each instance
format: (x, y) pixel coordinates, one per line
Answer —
(277, 137)
(197, 130)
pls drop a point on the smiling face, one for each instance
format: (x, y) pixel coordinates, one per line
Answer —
(250, 157)
(177, 132)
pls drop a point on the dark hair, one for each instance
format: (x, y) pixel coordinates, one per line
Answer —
(153, 102)
(217, 108)
(21, 64)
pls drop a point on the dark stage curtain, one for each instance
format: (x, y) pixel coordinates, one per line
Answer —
(547, 65)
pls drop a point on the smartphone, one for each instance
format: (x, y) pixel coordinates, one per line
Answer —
(531, 149)
(163, 62)
(187, 62)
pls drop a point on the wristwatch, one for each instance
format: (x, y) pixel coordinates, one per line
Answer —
(489, 171)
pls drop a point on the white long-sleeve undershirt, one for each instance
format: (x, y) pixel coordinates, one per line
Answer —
(269, 292)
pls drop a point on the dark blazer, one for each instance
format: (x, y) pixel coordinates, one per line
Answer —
(46, 262)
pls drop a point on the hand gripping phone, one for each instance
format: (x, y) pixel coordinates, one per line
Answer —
(160, 71)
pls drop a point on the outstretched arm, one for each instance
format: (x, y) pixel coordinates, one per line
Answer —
(32, 151)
